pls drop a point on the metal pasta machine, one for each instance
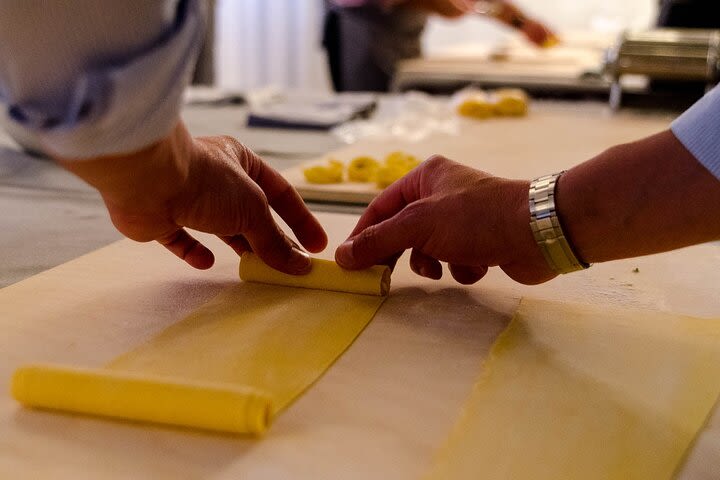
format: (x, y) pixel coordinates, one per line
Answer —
(664, 54)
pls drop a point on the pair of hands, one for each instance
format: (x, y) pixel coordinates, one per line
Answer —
(447, 212)
(442, 211)
(535, 31)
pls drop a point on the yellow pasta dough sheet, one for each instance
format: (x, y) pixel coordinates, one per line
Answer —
(574, 392)
(232, 365)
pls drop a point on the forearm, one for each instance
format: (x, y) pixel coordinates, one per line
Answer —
(115, 86)
(510, 15)
(42, 70)
(641, 198)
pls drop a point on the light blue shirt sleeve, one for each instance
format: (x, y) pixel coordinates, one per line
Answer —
(87, 78)
(698, 129)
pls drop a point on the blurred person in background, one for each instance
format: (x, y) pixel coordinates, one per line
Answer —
(365, 39)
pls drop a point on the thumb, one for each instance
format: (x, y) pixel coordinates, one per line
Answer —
(380, 242)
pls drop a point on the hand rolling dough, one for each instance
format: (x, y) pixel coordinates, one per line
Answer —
(233, 364)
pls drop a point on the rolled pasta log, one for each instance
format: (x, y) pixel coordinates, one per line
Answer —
(325, 275)
(143, 398)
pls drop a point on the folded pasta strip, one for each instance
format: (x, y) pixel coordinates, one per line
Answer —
(233, 364)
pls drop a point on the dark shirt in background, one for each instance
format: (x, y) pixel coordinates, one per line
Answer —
(689, 13)
(364, 44)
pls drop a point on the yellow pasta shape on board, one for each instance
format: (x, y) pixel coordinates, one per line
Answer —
(481, 105)
(325, 174)
(510, 102)
(401, 160)
(397, 165)
(476, 106)
(362, 169)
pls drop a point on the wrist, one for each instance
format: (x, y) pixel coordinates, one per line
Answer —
(547, 227)
(569, 217)
(141, 180)
(526, 262)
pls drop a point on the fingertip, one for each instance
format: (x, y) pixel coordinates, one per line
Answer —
(300, 263)
(392, 261)
(317, 242)
(310, 233)
(184, 246)
(466, 275)
(425, 265)
(344, 255)
(433, 272)
(200, 257)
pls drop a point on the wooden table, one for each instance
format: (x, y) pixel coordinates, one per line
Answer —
(379, 412)
(383, 408)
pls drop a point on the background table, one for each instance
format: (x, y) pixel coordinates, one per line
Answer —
(380, 412)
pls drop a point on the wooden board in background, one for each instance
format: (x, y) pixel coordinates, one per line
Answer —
(553, 137)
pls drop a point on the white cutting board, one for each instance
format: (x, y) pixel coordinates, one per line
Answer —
(553, 137)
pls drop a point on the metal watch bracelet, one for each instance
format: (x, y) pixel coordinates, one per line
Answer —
(546, 227)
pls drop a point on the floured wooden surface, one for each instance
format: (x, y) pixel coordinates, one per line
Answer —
(598, 393)
(553, 137)
(380, 412)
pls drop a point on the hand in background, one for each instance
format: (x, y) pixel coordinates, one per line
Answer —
(535, 31)
(445, 8)
(210, 184)
(446, 212)
(538, 33)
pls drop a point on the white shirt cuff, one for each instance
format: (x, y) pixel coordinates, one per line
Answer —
(122, 108)
(698, 129)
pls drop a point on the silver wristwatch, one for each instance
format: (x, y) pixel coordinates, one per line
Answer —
(546, 227)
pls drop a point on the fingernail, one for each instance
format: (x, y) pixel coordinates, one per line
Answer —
(429, 272)
(300, 262)
(343, 254)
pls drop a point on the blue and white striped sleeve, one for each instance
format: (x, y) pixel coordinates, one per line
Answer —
(698, 129)
(87, 78)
